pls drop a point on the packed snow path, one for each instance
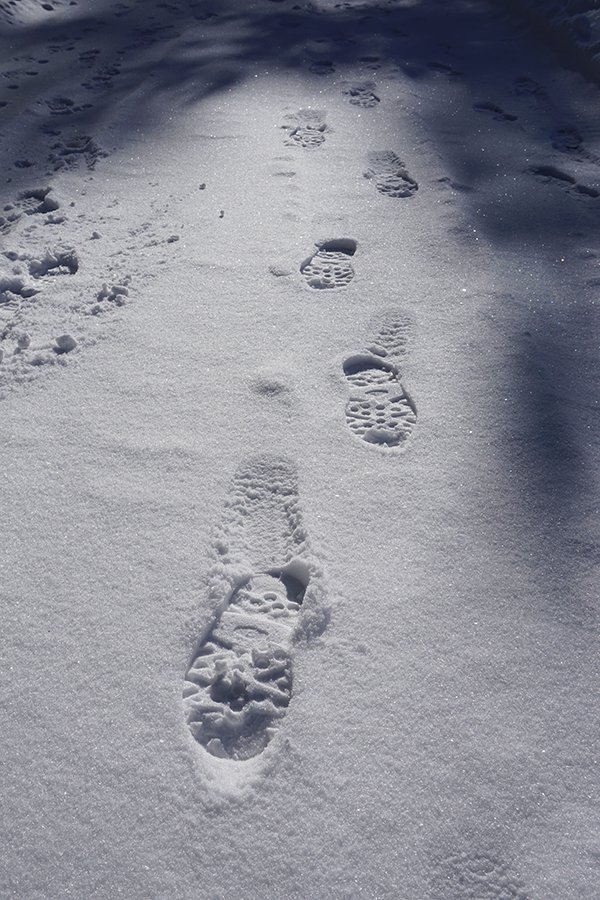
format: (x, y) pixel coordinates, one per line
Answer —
(299, 386)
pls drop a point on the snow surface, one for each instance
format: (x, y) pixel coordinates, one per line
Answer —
(573, 23)
(299, 377)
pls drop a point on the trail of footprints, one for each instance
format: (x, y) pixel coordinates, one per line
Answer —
(33, 309)
(564, 138)
(238, 685)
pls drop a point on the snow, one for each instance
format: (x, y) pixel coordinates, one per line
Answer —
(299, 389)
(573, 24)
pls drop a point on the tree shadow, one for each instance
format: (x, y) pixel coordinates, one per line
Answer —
(549, 450)
(75, 70)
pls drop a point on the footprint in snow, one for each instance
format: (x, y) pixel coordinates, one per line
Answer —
(306, 129)
(553, 175)
(444, 69)
(64, 106)
(370, 62)
(568, 140)
(362, 93)
(524, 86)
(67, 152)
(321, 67)
(565, 138)
(379, 411)
(495, 111)
(390, 174)
(240, 681)
(88, 57)
(476, 874)
(36, 201)
(330, 266)
(239, 684)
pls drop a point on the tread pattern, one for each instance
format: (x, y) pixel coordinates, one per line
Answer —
(390, 174)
